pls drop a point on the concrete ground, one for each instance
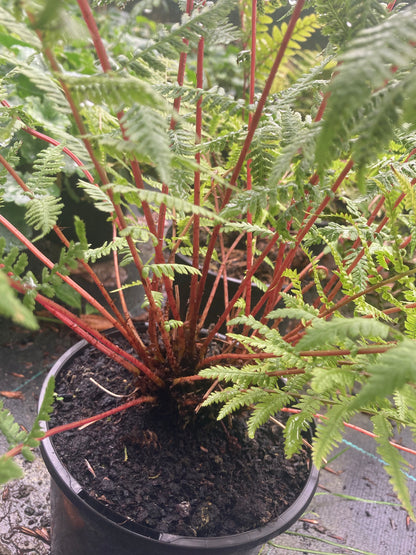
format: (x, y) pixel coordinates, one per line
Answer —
(353, 512)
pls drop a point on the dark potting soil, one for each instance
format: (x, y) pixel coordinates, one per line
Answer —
(179, 476)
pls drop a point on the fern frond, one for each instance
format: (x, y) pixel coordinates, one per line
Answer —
(107, 248)
(202, 21)
(158, 298)
(148, 135)
(403, 401)
(9, 470)
(116, 91)
(410, 324)
(220, 396)
(264, 409)
(14, 262)
(42, 213)
(16, 28)
(268, 36)
(169, 270)
(245, 227)
(10, 429)
(243, 377)
(265, 143)
(342, 22)
(239, 400)
(45, 410)
(173, 325)
(337, 330)
(307, 313)
(311, 81)
(155, 198)
(299, 137)
(332, 381)
(395, 463)
(47, 165)
(99, 197)
(298, 423)
(329, 432)
(407, 188)
(366, 67)
(390, 372)
(40, 84)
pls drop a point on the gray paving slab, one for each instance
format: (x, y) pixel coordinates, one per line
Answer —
(354, 510)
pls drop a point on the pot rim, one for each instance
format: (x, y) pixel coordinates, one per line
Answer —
(75, 492)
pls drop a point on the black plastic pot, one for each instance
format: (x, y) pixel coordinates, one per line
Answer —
(82, 526)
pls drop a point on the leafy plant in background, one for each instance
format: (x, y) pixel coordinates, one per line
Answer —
(316, 166)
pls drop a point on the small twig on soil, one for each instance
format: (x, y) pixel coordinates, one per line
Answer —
(40, 533)
(110, 392)
(90, 468)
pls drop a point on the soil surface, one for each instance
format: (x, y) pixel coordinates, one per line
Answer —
(177, 475)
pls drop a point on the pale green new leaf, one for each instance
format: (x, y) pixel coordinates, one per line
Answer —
(173, 325)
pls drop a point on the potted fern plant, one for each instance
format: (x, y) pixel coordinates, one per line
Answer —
(171, 160)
